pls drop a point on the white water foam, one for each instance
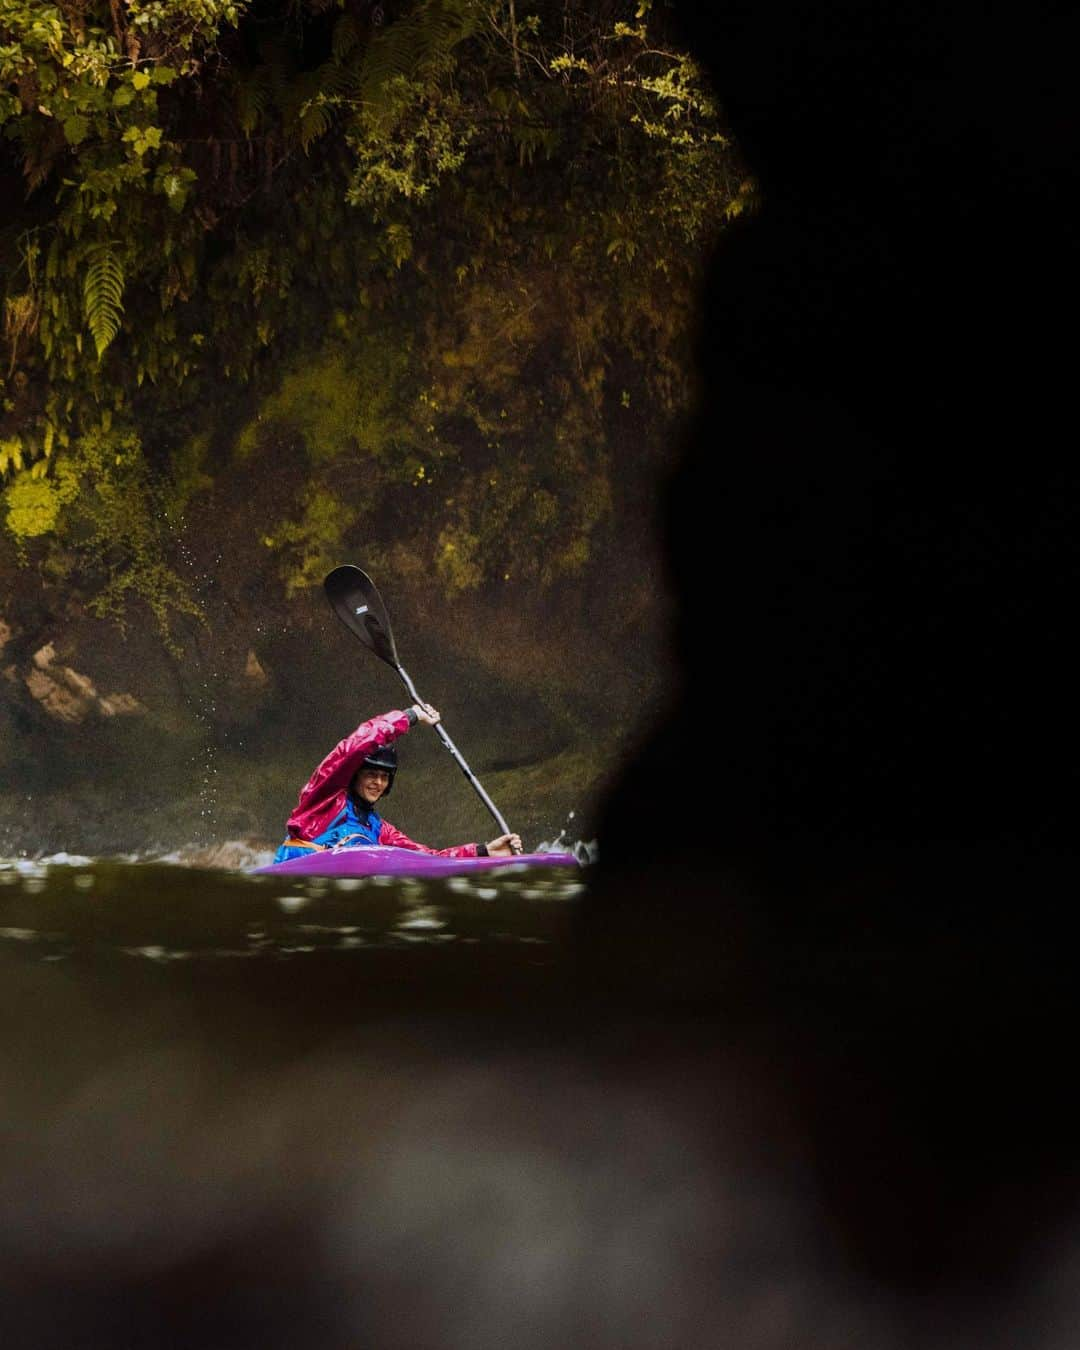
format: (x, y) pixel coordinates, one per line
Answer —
(230, 855)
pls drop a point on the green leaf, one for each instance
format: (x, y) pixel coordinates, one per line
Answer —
(103, 293)
(76, 129)
(140, 79)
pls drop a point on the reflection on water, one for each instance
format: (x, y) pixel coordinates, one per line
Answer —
(65, 906)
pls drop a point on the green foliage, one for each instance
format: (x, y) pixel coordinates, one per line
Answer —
(419, 42)
(311, 545)
(103, 291)
(34, 503)
(104, 510)
(348, 397)
(444, 257)
(404, 144)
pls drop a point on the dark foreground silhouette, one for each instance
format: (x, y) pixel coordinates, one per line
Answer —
(875, 541)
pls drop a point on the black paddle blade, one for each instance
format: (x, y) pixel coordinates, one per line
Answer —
(360, 608)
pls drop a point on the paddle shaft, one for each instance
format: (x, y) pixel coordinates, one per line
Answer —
(358, 604)
(477, 785)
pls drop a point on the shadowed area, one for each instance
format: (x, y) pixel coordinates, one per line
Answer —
(874, 539)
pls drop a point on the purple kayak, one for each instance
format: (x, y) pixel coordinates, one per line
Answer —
(376, 860)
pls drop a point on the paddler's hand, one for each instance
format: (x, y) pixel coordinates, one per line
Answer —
(425, 713)
(505, 846)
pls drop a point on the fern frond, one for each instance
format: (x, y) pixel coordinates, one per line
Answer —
(345, 37)
(103, 296)
(406, 47)
(276, 65)
(336, 79)
(315, 121)
(253, 95)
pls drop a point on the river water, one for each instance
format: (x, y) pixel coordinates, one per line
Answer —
(257, 1112)
(73, 909)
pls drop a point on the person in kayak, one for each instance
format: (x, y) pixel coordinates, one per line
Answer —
(337, 805)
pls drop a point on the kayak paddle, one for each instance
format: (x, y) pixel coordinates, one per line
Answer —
(359, 606)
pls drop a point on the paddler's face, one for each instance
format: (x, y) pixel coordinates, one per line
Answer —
(370, 784)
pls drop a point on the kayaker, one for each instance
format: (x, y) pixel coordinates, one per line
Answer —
(337, 806)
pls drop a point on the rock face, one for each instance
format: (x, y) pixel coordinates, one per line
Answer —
(253, 670)
(68, 696)
(125, 746)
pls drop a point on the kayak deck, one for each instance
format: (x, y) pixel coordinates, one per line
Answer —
(378, 860)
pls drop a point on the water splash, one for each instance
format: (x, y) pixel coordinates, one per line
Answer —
(586, 852)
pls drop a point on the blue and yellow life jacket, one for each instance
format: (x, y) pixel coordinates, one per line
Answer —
(354, 826)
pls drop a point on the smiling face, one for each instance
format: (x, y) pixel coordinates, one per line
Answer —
(370, 784)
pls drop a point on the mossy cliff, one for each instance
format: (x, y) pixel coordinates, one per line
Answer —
(412, 288)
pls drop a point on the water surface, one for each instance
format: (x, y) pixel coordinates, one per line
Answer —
(84, 910)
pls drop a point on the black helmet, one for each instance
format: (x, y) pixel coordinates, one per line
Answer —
(382, 757)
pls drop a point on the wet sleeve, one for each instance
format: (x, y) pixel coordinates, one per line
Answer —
(394, 838)
(337, 769)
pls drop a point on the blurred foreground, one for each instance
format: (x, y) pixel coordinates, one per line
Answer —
(246, 1114)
